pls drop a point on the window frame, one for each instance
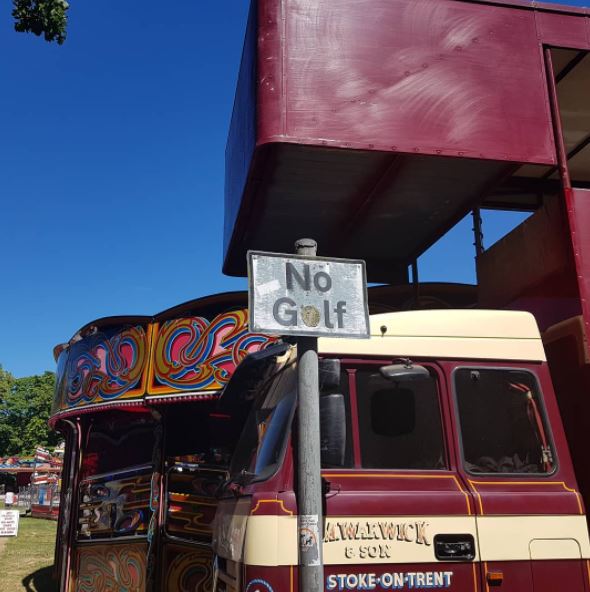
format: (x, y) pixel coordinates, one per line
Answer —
(270, 470)
(542, 409)
(356, 364)
(93, 427)
(266, 387)
(204, 540)
(138, 470)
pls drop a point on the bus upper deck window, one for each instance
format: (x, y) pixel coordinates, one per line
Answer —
(502, 424)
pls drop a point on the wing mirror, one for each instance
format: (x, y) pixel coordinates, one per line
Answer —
(332, 430)
(329, 378)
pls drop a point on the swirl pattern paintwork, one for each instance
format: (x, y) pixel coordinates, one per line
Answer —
(104, 368)
(188, 570)
(189, 354)
(192, 502)
(193, 354)
(109, 568)
(114, 505)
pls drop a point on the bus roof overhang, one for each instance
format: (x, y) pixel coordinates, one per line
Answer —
(375, 131)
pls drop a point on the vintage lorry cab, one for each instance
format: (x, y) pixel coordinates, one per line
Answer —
(445, 463)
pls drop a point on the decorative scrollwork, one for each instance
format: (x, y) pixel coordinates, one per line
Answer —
(190, 571)
(188, 354)
(195, 354)
(103, 568)
(103, 368)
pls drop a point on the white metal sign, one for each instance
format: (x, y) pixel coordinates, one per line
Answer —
(309, 296)
(8, 522)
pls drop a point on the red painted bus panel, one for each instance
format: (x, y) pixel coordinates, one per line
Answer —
(578, 210)
(569, 360)
(344, 110)
(563, 30)
(544, 266)
(392, 493)
(428, 75)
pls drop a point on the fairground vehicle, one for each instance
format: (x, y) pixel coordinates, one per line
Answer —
(141, 468)
(372, 126)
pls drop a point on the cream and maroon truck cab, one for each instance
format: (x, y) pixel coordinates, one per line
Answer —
(445, 463)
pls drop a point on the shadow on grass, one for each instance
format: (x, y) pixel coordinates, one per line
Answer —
(40, 581)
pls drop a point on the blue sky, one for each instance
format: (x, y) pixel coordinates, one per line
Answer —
(111, 151)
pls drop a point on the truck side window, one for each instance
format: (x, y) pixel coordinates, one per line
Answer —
(264, 437)
(272, 431)
(399, 425)
(502, 425)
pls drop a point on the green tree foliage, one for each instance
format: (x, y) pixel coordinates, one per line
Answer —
(24, 412)
(41, 17)
(6, 382)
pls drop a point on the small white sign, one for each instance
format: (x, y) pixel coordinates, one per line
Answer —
(308, 296)
(309, 538)
(9, 522)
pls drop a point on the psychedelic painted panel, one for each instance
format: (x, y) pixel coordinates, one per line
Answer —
(191, 501)
(187, 569)
(104, 367)
(182, 355)
(111, 568)
(194, 354)
(115, 505)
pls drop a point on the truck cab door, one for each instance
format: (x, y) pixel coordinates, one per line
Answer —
(530, 521)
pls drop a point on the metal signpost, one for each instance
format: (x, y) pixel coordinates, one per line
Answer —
(308, 296)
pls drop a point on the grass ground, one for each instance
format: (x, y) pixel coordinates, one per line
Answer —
(26, 560)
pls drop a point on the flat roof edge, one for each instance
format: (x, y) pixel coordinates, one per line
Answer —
(534, 5)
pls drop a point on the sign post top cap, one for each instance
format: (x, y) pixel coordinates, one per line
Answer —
(305, 243)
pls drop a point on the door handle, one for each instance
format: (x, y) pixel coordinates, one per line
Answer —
(454, 547)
